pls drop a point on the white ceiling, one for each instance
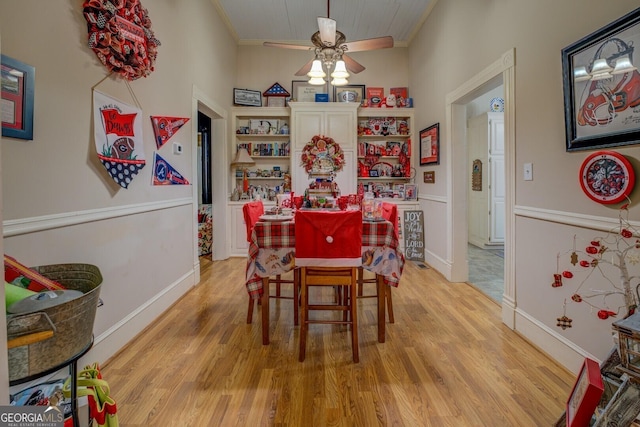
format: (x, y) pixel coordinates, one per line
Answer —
(294, 21)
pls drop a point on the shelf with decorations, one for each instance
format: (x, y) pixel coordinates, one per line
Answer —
(264, 133)
(385, 150)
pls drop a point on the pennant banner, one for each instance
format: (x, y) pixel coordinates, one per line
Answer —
(118, 138)
(165, 127)
(165, 174)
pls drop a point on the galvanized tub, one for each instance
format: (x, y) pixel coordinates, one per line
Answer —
(71, 322)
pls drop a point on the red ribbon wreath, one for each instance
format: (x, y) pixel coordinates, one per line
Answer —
(120, 34)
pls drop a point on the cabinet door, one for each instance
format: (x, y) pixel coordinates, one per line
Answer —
(239, 244)
(478, 200)
(341, 126)
(307, 124)
(497, 190)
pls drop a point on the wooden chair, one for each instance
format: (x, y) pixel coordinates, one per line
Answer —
(252, 211)
(390, 213)
(328, 253)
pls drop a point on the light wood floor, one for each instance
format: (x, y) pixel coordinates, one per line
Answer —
(447, 361)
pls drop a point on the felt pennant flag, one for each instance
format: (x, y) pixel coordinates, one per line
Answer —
(165, 127)
(118, 138)
(165, 174)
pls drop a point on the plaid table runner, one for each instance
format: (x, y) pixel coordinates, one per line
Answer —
(272, 252)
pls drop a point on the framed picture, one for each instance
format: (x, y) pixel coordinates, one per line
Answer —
(598, 74)
(373, 173)
(250, 98)
(349, 93)
(430, 145)
(302, 91)
(17, 88)
(585, 395)
(410, 192)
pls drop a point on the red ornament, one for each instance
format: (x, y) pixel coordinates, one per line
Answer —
(576, 298)
(567, 274)
(595, 243)
(591, 250)
(557, 280)
(626, 233)
(605, 314)
(584, 263)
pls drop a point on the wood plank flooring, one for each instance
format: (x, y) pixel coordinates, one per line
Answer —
(447, 361)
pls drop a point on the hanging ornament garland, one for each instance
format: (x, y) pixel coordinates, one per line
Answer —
(120, 34)
(322, 155)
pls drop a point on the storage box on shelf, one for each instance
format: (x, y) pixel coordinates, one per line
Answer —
(264, 133)
(385, 150)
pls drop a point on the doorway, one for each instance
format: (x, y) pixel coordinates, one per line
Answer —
(205, 195)
(501, 71)
(485, 192)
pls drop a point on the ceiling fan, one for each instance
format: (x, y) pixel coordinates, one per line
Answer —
(330, 46)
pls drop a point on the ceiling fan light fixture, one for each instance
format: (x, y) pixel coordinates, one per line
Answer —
(340, 71)
(339, 81)
(316, 70)
(316, 81)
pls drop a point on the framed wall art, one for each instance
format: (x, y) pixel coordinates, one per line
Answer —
(349, 93)
(430, 145)
(602, 86)
(249, 98)
(302, 91)
(17, 88)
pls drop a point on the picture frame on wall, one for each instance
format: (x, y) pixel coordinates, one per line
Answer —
(598, 75)
(430, 145)
(17, 89)
(303, 91)
(246, 97)
(349, 93)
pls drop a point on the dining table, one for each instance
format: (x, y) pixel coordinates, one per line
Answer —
(272, 252)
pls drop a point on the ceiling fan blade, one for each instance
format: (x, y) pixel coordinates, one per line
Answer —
(327, 28)
(352, 65)
(305, 69)
(369, 44)
(287, 46)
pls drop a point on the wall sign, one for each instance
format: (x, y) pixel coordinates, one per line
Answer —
(476, 175)
(430, 177)
(414, 235)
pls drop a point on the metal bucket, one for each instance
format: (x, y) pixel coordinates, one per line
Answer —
(71, 322)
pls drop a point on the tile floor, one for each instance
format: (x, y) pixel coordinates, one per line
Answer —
(486, 270)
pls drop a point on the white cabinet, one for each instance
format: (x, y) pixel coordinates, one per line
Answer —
(335, 120)
(237, 233)
(486, 189)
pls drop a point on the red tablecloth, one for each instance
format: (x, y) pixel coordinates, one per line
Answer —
(272, 252)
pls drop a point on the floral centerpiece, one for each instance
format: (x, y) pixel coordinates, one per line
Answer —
(322, 155)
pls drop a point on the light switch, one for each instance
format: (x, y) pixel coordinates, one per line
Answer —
(528, 171)
(177, 148)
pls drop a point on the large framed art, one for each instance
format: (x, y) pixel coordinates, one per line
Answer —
(18, 87)
(602, 86)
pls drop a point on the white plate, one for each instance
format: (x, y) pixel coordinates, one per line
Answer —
(276, 218)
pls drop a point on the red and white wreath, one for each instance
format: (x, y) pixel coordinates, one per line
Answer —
(120, 34)
(322, 154)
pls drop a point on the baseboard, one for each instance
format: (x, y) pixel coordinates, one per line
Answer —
(550, 342)
(107, 344)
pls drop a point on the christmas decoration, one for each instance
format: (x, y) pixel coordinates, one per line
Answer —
(120, 34)
(609, 256)
(322, 154)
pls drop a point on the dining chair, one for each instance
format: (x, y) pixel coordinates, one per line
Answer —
(328, 253)
(252, 211)
(390, 213)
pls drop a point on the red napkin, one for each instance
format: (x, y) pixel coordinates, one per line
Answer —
(390, 213)
(331, 239)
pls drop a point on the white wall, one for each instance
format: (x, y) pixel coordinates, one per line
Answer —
(462, 38)
(59, 203)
